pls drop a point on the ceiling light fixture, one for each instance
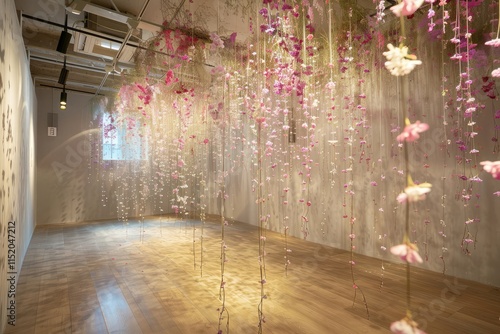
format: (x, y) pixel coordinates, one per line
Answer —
(65, 38)
(63, 76)
(63, 100)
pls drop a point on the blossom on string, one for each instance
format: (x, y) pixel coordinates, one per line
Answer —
(492, 167)
(494, 42)
(405, 326)
(330, 85)
(407, 251)
(399, 62)
(411, 131)
(380, 11)
(170, 78)
(218, 70)
(496, 73)
(217, 42)
(414, 192)
(406, 7)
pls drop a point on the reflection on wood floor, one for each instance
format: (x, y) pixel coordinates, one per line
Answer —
(146, 277)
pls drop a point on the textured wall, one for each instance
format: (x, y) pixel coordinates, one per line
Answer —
(346, 141)
(74, 184)
(17, 147)
(359, 148)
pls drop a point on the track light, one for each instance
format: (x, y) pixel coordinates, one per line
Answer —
(63, 76)
(63, 100)
(64, 39)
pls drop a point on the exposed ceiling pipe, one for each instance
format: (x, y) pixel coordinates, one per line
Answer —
(139, 17)
(74, 60)
(114, 6)
(38, 78)
(58, 62)
(90, 33)
(122, 47)
(97, 34)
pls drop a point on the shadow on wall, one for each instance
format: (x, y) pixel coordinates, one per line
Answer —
(17, 148)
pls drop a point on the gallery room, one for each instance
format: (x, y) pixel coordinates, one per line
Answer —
(242, 166)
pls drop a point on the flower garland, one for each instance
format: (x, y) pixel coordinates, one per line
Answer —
(399, 63)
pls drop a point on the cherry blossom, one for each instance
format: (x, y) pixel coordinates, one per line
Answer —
(496, 73)
(414, 193)
(216, 41)
(399, 62)
(406, 7)
(411, 131)
(407, 251)
(405, 326)
(492, 167)
(494, 42)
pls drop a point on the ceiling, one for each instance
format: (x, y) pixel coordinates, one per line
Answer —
(107, 34)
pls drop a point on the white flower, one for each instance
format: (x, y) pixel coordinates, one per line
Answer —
(405, 326)
(414, 192)
(495, 73)
(399, 62)
(417, 192)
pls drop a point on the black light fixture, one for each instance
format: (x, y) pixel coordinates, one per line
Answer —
(63, 76)
(63, 99)
(65, 38)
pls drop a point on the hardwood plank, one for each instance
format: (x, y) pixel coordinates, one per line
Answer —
(115, 309)
(110, 277)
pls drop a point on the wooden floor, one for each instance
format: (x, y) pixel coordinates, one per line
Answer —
(110, 277)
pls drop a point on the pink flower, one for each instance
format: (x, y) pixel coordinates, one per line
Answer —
(402, 197)
(492, 167)
(170, 78)
(408, 252)
(406, 7)
(405, 326)
(411, 131)
(494, 42)
(495, 73)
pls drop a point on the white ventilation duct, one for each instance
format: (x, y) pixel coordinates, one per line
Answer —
(79, 6)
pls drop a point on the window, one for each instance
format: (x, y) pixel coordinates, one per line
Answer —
(123, 140)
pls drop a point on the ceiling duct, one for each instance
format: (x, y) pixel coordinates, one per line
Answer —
(79, 6)
(107, 45)
(107, 23)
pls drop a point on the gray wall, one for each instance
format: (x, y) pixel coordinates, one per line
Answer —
(17, 150)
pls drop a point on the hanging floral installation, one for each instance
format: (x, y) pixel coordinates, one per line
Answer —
(344, 118)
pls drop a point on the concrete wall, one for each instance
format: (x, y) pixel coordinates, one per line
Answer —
(17, 150)
(358, 149)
